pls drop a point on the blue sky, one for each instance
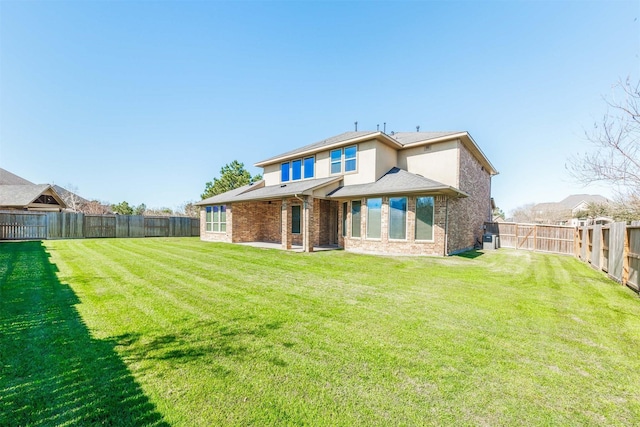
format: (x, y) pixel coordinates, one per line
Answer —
(145, 101)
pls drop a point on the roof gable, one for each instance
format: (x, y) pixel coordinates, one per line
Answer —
(21, 196)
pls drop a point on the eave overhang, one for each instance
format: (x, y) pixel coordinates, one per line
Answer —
(380, 136)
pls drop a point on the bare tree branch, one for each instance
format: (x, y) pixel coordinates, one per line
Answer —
(615, 143)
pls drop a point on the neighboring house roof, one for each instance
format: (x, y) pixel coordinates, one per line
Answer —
(22, 195)
(8, 178)
(397, 181)
(16, 191)
(398, 140)
(571, 202)
(66, 194)
(574, 200)
(258, 191)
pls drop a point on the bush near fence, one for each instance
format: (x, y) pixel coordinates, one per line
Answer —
(65, 225)
(613, 248)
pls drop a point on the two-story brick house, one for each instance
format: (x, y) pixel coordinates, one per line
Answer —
(418, 193)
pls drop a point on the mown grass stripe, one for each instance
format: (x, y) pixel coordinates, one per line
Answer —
(220, 334)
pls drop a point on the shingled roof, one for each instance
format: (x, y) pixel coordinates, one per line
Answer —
(8, 178)
(22, 195)
(397, 181)
(398, 140)
(317, 146)
(258, 191)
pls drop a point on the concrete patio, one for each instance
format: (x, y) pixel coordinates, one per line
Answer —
(294, 248)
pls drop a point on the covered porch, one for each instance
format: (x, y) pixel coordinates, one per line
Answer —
(291, 215)
(303, 223)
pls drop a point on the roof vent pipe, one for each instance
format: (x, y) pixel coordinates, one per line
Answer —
(356, 123)
(385, 127)
(418, 128)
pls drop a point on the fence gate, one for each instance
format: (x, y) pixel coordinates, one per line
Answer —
(23, 226)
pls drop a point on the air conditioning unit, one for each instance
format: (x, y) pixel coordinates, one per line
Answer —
(489, 241)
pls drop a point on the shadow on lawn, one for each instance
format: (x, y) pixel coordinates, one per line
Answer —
(52, 371)
(472, 254)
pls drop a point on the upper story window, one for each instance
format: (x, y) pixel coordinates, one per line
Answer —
(284, 172)
(350, 158)
(298, 169)
(336, 161)
(309, 163)
(344, 159)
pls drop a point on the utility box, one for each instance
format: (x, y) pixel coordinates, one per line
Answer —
(489, 241)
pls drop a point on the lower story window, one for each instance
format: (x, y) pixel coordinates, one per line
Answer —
(424, 218)
(216, 218)
(374, 218)
(295, 219)
(345, 210)
(397, 217)
(356, 206)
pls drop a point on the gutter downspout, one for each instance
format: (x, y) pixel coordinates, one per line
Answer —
(304, 223)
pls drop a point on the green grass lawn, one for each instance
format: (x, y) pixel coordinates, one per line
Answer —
(180, 332)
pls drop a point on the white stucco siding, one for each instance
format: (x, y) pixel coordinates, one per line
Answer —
(386, 158)
(323, 165)
(373, 160)
(271, 174)
(365, 165)
(439, 162)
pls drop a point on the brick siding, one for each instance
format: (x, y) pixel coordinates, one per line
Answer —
(384, 245)
(468, 215)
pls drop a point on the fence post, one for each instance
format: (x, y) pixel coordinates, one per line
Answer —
(625, 257)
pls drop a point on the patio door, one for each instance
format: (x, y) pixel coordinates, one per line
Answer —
(333, 223)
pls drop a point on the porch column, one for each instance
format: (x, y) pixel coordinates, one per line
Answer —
(285, 226)
(308, 225)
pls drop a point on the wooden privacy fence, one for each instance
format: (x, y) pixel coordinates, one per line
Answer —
(536, 237)
(612, 248)
(65, 225)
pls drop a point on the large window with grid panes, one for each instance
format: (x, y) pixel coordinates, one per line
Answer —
(216, 218)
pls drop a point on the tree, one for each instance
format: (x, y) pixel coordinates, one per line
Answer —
(122, 208)
(232, 175)
(524, 213)
(140, 209)
(189, 209)
(96, 207)
(498, 213)
(615, 158)
(164, 211)
(71, 199)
